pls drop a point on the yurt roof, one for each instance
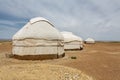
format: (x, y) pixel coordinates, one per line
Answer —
(65, 32)
(38, 28)
(69, 36)
(37, 19)
(89, 39)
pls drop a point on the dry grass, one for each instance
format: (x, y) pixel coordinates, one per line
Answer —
(40, 72)
(101, 61)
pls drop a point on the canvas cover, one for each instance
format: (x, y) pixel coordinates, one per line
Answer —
(38, 37)
(89, 40)
(72, 41)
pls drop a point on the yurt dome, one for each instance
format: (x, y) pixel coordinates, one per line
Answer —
(71, 41)
(38, 28)
(38, 38)
(89, 40)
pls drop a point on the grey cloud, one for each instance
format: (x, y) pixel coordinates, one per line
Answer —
(86, 18)
(7, 32)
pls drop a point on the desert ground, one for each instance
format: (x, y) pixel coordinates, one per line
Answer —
(99, 61)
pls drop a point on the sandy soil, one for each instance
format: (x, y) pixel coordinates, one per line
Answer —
(101, 61)
(40, 72)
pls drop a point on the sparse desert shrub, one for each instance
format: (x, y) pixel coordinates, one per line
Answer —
(73, 57)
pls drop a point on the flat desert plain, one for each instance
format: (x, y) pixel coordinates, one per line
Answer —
(99, 61)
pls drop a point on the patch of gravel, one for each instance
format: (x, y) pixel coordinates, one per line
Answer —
(40, 72)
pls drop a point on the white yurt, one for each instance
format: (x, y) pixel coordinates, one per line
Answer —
(71, 41)
(38, 39)
(89, 40)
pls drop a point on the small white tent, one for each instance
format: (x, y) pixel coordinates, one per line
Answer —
(89, 40)
(71, 41)
(38, 39)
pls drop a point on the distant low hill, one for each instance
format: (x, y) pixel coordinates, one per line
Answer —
(5, 40)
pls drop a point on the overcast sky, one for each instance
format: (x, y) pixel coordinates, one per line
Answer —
(98, 19)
